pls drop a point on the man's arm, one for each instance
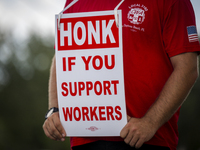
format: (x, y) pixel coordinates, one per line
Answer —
(139, 130)
(52, 126)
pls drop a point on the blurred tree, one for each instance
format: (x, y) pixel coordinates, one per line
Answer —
(24, 73)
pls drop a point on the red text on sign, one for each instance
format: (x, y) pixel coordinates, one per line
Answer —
(100, 61)
(98, 88)
(97, 62)
(98, 113)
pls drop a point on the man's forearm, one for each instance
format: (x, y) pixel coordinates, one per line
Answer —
(53, 100)
(52, 125)
(140, 130)
(175, 90)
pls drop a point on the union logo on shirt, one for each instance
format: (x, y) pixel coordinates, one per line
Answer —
(136, 15)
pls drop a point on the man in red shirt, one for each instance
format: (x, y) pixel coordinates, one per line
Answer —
(160, 50)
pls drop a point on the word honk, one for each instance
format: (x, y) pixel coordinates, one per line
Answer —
(82, 31)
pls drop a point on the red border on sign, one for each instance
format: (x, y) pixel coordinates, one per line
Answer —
(85, 45)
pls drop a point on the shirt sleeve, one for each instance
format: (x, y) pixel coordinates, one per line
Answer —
(179, 30)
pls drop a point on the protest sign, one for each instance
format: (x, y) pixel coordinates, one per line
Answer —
(89, 68)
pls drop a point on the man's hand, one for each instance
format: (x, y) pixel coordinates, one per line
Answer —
(137, 131)
(53, 128)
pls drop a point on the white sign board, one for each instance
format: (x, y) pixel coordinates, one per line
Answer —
(89, 67)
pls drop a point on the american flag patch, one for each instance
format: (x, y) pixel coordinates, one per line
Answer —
(192, 34)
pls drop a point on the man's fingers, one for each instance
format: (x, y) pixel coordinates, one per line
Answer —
(128, 138)
(137, 131)
(139, 143)
(53, 128)
(133, 141)
(59, 128)
(132, 137)
(124, 132)
(46, 131)
(48, 134)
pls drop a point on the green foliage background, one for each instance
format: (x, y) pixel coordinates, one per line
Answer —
(24, 73)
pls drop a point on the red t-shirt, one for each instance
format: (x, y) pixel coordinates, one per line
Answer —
(153, 31)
